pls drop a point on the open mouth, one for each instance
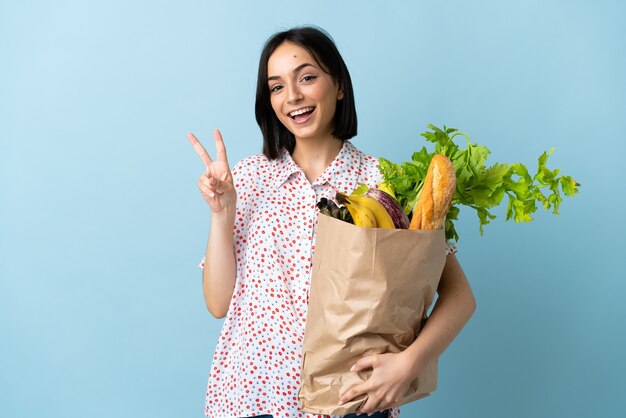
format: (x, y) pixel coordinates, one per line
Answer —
(301, 115)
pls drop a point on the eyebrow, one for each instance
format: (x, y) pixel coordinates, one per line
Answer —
(295, 70)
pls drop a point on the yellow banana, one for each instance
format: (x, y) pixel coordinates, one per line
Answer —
(361, 215)
(383, 218)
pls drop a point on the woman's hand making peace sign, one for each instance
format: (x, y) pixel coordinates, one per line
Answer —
(216, 183)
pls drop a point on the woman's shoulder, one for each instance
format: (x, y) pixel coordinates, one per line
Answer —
(366, 159)
(368, 164)
(251, 162)
(257, 171)
(255, 165)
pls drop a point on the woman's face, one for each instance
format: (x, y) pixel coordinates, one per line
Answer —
(302, 95)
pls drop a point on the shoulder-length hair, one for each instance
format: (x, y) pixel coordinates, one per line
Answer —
(321, 46)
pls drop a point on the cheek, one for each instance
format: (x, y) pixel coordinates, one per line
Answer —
(327, 94)
(331, 102)
(319, 92)
(275, 106)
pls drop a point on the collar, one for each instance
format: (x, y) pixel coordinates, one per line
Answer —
(282, 168)
(342, 173)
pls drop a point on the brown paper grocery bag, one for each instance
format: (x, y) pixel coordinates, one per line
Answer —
(370, 288)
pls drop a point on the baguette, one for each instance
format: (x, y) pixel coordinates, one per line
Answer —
(436, 196)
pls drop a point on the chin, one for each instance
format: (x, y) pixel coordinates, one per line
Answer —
(311, 133)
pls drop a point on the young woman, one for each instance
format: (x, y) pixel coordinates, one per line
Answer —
(257, 264)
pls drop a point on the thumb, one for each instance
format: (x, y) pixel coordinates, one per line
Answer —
(363, 363)
(221, 186)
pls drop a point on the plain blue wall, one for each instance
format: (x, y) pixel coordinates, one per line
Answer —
(102, 225)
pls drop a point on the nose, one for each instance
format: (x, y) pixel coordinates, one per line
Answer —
(294, 94)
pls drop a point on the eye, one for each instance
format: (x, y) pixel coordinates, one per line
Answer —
(309, 78)
(275, 88)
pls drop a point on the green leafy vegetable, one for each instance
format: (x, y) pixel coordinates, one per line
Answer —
(360, 189)
(478, 186)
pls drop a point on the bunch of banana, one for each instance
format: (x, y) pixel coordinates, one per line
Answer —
(366, 211)
(367, 207)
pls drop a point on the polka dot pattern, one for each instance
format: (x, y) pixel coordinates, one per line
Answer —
(256, 364)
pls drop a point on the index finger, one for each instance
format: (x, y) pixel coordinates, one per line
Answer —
(353, 393)
(204, 156)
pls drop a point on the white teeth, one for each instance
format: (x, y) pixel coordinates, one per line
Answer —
(301, 111)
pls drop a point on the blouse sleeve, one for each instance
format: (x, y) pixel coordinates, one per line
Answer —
(450, 248)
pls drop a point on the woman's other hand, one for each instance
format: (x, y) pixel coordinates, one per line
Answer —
(216, 183)
(390, 379)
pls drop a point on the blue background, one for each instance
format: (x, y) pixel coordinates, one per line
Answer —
(102, 225)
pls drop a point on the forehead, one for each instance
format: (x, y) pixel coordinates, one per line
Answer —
(287, 57)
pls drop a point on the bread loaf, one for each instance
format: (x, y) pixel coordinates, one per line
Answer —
(434, 200)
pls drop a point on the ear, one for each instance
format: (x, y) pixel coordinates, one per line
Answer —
(340, 94)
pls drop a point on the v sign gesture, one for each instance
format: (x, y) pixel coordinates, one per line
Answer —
(217, 188)
(216, 183)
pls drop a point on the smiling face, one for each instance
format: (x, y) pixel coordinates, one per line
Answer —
(302, 95)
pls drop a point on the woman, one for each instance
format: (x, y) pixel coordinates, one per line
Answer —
(258, 258)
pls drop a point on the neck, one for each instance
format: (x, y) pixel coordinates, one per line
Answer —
(313, 156)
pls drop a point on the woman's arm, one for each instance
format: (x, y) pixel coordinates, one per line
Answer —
(217, 188)
(454, 307)
(218, 276)
(393, 372)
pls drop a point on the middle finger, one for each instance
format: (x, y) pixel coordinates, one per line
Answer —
(219, 146)
(371, 405)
